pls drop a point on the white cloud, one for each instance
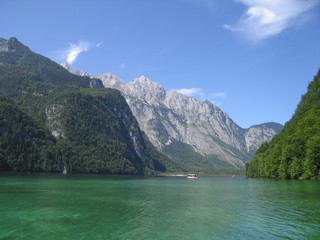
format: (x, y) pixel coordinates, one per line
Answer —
(190, 92)
(123, 66)
(199, 93)
(266, 18)
(75, 49)
(216, 98)
(218, 95)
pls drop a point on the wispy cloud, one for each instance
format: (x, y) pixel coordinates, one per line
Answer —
(190, 92)
(266, 18)
(199, 93)
(99, 44)
(123, 66)
(218, 95)
(216, 98)
(75, 49)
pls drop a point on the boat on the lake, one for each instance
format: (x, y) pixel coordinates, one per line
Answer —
(192, 176)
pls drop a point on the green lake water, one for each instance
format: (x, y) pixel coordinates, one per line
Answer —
(105, 207)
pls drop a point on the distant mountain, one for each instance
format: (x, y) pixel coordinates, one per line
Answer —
(193, 133)
(295, 152)
(52, 121)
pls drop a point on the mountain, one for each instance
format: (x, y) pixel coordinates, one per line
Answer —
(197, 134)
(295, 152)
(53, 121)
(23, 141)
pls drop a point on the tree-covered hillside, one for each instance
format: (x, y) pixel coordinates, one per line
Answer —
(98, 134)
(52, 121)
(25, 145)
(295, 152)
(29, 78)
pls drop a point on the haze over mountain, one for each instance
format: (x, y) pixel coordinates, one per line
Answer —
(196, 133)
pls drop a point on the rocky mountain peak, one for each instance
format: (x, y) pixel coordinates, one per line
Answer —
(110, 80)
(74, 70)
(170, 118)
(142, 79)
(146, 83)
(12, 45)
(146, 89)
(257, 134)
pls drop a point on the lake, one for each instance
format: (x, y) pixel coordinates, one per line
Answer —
(37, 206)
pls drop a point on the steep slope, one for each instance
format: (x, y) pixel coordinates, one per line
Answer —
(28, 77)
(103, 131)
(25, 145)
(258, 134)
(295, 152)
(197, 134)
(92, 130)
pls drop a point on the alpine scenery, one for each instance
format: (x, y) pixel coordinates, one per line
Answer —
(180, 119)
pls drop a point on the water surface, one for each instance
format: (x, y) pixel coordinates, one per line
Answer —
(104, 207)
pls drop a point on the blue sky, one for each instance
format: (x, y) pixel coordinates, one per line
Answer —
(252, 58)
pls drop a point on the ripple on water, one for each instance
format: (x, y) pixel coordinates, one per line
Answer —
(158, 208)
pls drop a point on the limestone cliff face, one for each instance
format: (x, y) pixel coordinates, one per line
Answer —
(168, 117)
(258, 134)
(92, 131)
(4, 45)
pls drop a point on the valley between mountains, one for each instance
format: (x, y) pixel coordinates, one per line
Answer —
(55, 118)
(196, 134)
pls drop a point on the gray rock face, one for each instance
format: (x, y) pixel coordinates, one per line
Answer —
(108, 80)
(258, 134)
(170, 116)
(96, 83)
(53, 113)
(4, 45)
(73, 70)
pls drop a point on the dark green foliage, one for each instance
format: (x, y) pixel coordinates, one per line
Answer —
(23, 141)
(94, 128)
(295, 152)
(29, 77)
(98, 128)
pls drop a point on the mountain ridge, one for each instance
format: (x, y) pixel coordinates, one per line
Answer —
(52, 121)
(169, 117)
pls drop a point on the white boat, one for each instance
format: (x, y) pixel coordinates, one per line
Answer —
(192, 176)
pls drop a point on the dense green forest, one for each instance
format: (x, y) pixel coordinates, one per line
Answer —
(25, 145)
(52, 121)
(295, 152)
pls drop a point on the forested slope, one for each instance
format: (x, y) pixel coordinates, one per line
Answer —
(25, 145)
(295, 152)
(52, 121)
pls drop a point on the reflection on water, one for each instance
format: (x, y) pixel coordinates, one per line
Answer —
(101, 207)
